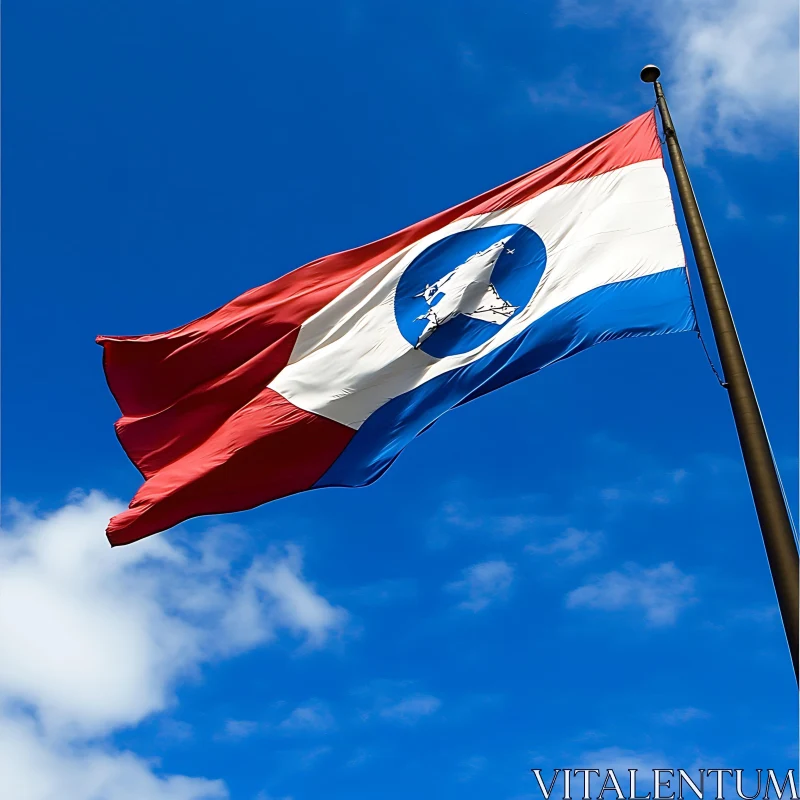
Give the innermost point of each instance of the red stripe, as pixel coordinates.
(155, 440)
(633, 142)
(266, 450)
(179, 391)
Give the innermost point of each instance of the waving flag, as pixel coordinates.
(323, 376)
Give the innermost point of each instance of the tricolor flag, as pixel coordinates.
(323, 376)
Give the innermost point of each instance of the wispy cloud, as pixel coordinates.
(297, 605)
(396, 701)
(568, 93)
(573, 546)
(174, 730)
(653, 487)
(471, 767)
(482, 584)
(632, 477)
(761, 615)
(239, 728)
(412, 708)
(661, 592)
(95, 639)
(309, 757)
(496, 517)
(313, 716)
(731, 66)
(621, 760)
(464, 517)
(609, 480)
(679, 716)
(360, 756)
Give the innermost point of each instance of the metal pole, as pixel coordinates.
(773, 515)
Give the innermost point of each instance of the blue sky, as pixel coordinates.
(599, 596)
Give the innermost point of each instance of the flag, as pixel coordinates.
(322, 377)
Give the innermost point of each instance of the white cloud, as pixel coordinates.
(661, 592)
(412, 708)
(35, 767)
(483, 583)
(314, 716)
(395, 701)
(95, 639)
(458, 515)
(572, 546)
(735, 66)
(239, 728)
(652, 486)
(297, 606)
(730, 66)
(621, 760)
(498, 518)
(311, 717)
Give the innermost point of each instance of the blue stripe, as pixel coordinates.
(647, 306)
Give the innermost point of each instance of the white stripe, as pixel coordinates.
(350, 358)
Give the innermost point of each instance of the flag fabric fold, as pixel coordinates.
(321, 377)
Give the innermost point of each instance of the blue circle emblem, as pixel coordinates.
(459, 292)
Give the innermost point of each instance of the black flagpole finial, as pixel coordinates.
(650, 73)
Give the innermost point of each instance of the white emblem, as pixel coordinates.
(467, 290)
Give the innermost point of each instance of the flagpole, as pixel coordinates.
(773, 515)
